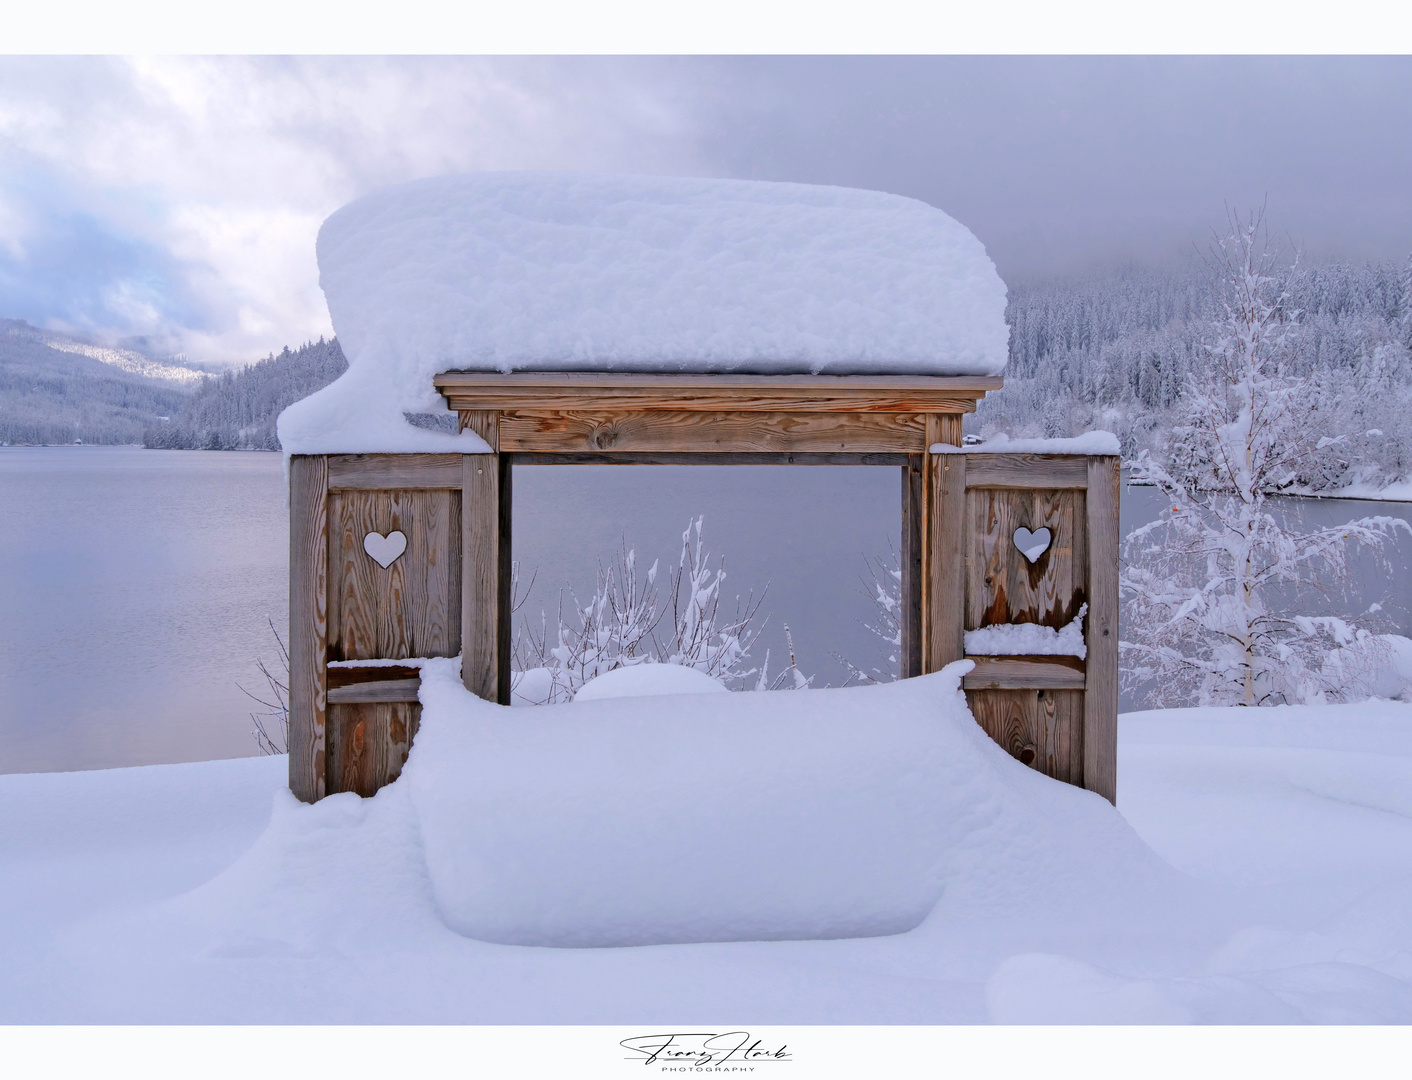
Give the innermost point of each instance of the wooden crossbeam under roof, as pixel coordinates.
(582, 412)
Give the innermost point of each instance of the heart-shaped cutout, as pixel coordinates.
(385, 550)
(1032, 544)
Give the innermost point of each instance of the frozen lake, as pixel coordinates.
(136, 583)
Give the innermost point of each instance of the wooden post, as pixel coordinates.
(480, 574)
(1100, 728)
(909, 617)
(502, 592)
(943, 594)
(308, 624)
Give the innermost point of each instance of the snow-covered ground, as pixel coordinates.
(1259, 870)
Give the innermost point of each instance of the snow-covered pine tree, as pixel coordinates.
(1202, 618)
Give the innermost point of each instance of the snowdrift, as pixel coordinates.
(692, 818)
(576, 272)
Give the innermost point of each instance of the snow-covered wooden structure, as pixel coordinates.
(606, 320)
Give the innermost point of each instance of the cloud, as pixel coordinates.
(179, 197)
(183, 196)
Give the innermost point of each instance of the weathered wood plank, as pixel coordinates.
(411, 608)
(944, 428)
(360, 693)
(1041, 728)
(712, 432)
(363, 472)
(484, 422)
(1002, 586)
(308, 624)
(946, 556)
(480, 575)
(341, 675)
(502, 592)
(1025, 673)
(372, 742)
(577, 391)
(601, 458)
(1101, 630)
(1026, 471)
(910, 559)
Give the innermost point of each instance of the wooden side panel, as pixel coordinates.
(407, 471)
(1002, 586)
(910, 559)
(1101, 630)
(308, 624)
(1042, 728)
(711, 432)
(411, 607)
(946, 567)
(480, 575)
(370, 744)
(1026, 471)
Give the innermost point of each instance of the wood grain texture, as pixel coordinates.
(502, 591)
(1101, 630)
(371, 744)
(712, 432)
(364, 472)
(599, 458)
(1002, 586)
(1041, 728)
(1025, 673)
(372, 691)
(946, 560)
(910, 561)
(308, 625)
(411, 608)
(484, 422)
(579, 391)
(1026, 471)
(338, 675)
(480, 575)
(944, 428)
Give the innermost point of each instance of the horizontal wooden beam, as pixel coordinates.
(365, 693)
(366, 472)
(1025, 673)
(598, 458)
(702, 432)
(1026, 471)
(715, 393)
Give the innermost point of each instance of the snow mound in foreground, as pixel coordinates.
(721, 817)
(649, 680)
(577, 272)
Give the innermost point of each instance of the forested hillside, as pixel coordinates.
(1113, 351)
(237, 410)
(54, 389)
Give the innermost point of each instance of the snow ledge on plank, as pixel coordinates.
(1091, 443)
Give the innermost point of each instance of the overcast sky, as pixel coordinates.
(180, 198)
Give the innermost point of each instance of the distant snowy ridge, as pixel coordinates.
(577, 272)
(126, 360)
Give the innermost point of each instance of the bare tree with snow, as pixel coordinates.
(1202, 584)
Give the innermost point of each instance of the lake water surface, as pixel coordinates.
(135, 584)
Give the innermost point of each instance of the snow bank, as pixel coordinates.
(1090, 442)
(732, 817)
(562, 271)
(1029, 639)
(649, 680)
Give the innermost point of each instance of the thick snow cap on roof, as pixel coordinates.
(574, 272)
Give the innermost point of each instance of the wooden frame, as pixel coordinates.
(1057, 714)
